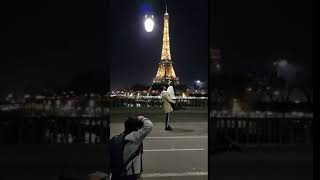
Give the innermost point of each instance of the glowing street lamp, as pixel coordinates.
(198, 84)
(148, 23)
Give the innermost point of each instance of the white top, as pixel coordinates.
(170, 90)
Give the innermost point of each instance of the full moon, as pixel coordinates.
(148, 24)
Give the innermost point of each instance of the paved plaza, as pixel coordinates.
(172, 155)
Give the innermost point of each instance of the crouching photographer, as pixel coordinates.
(127, 149)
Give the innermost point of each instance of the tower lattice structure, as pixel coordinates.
(165, 71)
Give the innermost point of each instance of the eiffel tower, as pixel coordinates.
(165, 71)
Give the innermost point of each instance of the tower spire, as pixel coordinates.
(165, 55)
(166, 13)
(166, 8)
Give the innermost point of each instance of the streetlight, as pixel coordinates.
(148, 23)
(198, 83)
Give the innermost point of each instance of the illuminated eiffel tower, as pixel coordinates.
(165, 71)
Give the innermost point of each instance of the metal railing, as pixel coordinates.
(262, 130)
(54, 130)
(157, 102)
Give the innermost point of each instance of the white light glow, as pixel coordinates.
(148, 24)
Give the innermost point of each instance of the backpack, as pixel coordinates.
(118, 164)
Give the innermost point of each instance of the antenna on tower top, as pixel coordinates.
(166, 7)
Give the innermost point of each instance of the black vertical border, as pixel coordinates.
(108, 51)
(209, 87)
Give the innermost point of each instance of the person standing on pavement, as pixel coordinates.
(167, 101)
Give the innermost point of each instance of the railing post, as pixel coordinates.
(291, 129)
(21, 127)
(269, 130)
(307, 131)
(258, 131)
(236, 128)
(246, 131)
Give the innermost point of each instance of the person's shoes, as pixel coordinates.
(168, 128)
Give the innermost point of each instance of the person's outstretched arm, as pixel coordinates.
(141, 134)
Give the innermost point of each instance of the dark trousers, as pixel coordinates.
(167, 119)
(176, 106)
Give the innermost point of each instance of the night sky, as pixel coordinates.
(252, 34)
(136, 53)
(48, 43)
